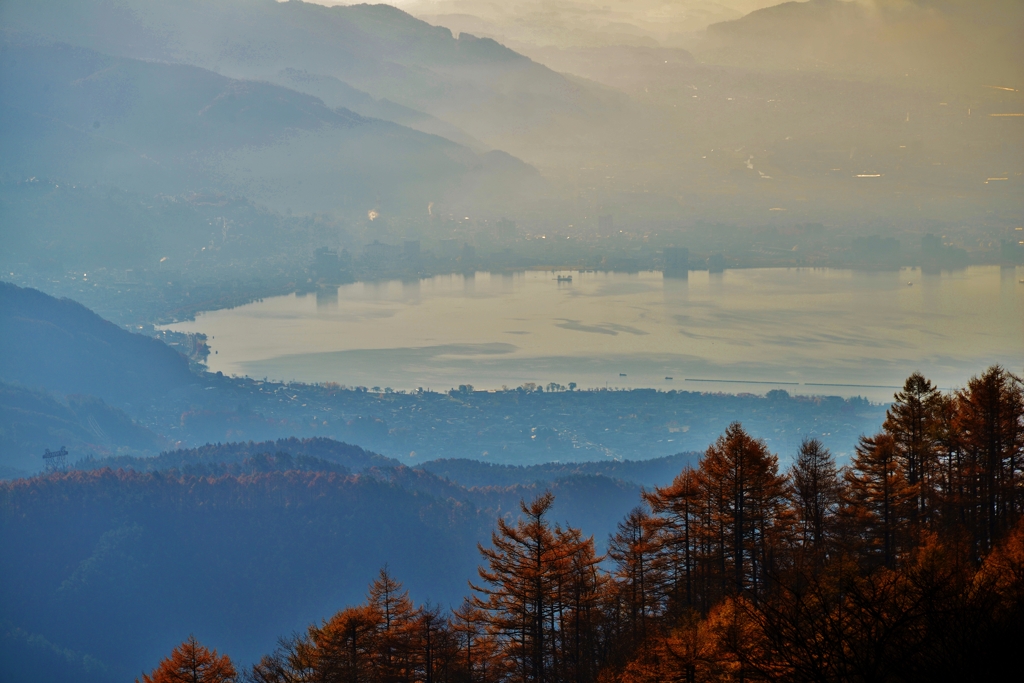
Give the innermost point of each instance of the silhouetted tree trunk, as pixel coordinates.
(912, 421)
(990, 420)
(878, 501)
(815, 490)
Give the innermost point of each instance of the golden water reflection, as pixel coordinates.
(805, 330)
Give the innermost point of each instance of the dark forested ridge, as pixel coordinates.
(903, 565)
(198, 460)
(108, 565)
(240, 542)
(471, 473)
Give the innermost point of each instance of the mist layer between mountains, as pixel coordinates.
(486, 90)
(662, 133)
(166, 129)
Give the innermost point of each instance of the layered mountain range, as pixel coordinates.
(89, 118)
(860, 116)
(484, 89)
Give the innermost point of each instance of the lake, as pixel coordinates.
(808, 331)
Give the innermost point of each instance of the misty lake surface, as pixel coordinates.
(808, 331)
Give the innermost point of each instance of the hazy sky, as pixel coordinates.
(562, 22)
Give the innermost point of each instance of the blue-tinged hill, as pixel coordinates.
(477, 85)
(33, 421)
(78, 115)
(62, 346)
(104, 569)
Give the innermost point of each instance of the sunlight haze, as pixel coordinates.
(511, 341)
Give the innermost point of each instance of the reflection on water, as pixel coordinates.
(804, 330)
(326, 298)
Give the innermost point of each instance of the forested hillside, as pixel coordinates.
(906, 565)
(238, 541)
(653, 472)
(101, 569)
(732, 571)
(236, 455)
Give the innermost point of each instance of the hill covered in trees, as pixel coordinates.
(907, 565)
(477, 473)
(241, 541)
(904, 563)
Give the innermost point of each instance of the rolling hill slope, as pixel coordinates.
(63, 346)
(237, 543)
(947, 44)
(492, 93)
(84, 117)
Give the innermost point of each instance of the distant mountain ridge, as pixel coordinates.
(951, 43)
(337, 93)
(352, 458)
(491, 92)
(82, 116)
(476, 473)
(495, 488)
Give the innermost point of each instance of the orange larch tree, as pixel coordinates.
(397, 638)
(815, 494)
(679, 539)
(191, 662)
(990, 423)
(639, 574)
(749, 514)
(878, 502)
(912, 421)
